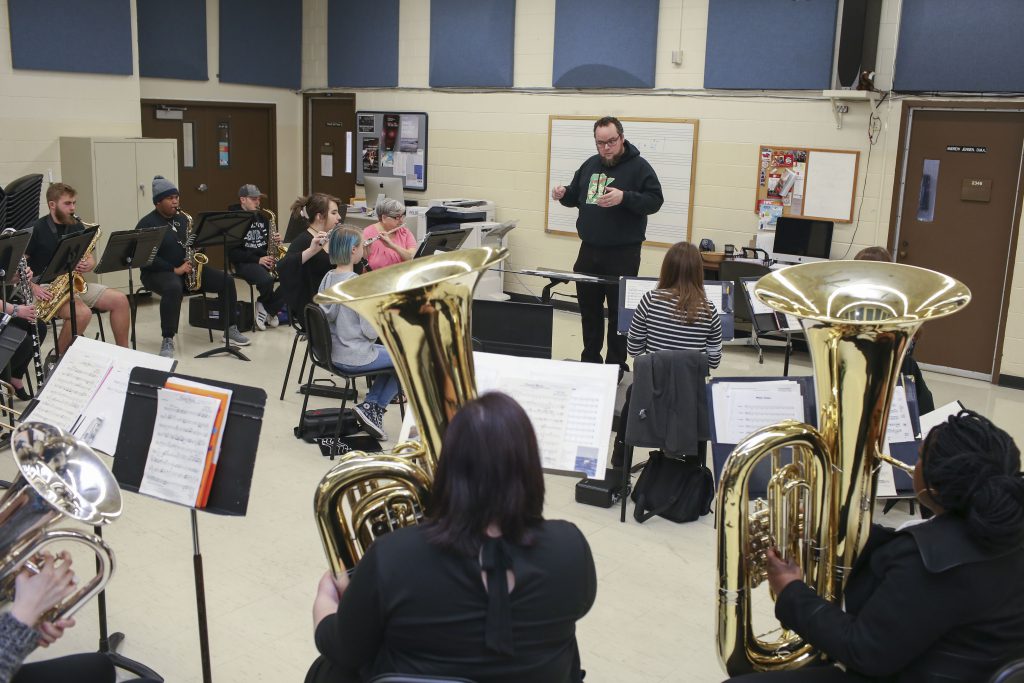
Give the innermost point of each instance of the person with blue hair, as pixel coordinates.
(354, 346)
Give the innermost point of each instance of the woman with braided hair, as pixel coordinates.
(939, 600)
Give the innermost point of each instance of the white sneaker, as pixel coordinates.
(261, 316)
(273, 320)
(167, 347)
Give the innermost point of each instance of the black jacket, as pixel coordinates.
(302, 280)
(255, 245)
(926, 604)
(171, 253)
(622, 225)
(43, 243)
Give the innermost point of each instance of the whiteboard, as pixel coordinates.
(668, 145)
(830, 186)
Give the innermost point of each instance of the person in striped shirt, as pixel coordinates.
(675, 315)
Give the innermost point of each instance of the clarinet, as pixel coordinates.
(29, 299)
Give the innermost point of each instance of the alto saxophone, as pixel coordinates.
(274, 250)
(60, 288)
(194, 278)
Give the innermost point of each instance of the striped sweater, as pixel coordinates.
(657, 326)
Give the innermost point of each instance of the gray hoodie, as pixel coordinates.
(352, 336)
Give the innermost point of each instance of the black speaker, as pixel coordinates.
(858, 40)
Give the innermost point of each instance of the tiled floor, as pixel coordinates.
(654, 616)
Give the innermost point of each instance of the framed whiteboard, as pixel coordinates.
(668, 145)
(804, 182)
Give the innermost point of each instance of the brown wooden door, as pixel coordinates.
(329, 138)
(232, 145)
(959, 216)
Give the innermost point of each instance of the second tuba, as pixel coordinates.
(421, 310)
(858, 317)
(59, 477)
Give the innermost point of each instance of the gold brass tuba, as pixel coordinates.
(421, 309)
(60, 289)
(859, 317)
(60, 476)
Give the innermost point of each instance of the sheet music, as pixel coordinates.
(885, 482)
(570, 405)
(742, 408)
(101, 418)
(788, 323)
(938, 416)
(900, 429)
(714, 295)
(635, 290)
(177, 453)
(756, 305)
(71, 387)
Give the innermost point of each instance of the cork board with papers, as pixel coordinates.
(803, 182)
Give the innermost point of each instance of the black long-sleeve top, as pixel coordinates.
(170, 254)
(43, 243)
(302, 280)
(413, 607)
(613, 226)
(923, 604)
(254, 245)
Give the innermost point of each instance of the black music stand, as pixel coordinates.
(229, 493)
(129, 249)
(70, 250)
(12, 248)
(442, 240)
(226, 228)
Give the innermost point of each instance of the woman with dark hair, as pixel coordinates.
(675, 315)
(353, 339)
(484, 589)
(306, 262)
(938, 600)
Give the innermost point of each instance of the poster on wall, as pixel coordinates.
(389, 132)
(364, 123)
(371, 155)
(409, 139)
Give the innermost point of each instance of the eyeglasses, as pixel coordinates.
(607, 143)
(398, 217)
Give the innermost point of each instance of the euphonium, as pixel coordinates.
(421, 309)
(60, 289)
(60, 476)
(194, 278)
(859, 317)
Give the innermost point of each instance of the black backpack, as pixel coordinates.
(678, 489)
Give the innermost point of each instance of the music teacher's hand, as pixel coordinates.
(612, 197)
(557, 192)
(781, 572)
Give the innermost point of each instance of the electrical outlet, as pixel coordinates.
(677, 57)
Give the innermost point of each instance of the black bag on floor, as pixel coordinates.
(323, 422)
(678, 489)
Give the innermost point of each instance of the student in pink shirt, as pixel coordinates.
(396, 242)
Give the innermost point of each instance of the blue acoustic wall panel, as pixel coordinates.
(472, 43)
(71, 35)
(261, 42)
(605, 43)
(770, 44)
(951, 45)
(184, 56)
(362, 43)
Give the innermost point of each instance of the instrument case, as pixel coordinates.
(602, 493)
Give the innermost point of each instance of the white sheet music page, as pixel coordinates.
(885, 482)
(101, 419)
(938, 416)
(714, 295)
(757, 306)
(570, 405)
(900, 429)
(635, 290)
(177, 453)
(71, 387)
(742, 408)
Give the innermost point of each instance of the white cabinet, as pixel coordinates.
(114, 180)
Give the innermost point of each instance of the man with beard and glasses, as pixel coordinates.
(615, 190)
(47, 232)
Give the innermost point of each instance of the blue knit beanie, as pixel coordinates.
(162, 189)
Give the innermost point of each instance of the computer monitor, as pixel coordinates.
(442, 240)
(375, 185)
(800, 240)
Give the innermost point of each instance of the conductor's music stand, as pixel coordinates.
(128, 249)
(229, 492)
(70, 250)
(226, 228)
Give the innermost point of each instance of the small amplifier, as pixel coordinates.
(602, 493)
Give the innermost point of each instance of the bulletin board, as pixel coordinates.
(668, 145)
(806, 183)
(392, 144)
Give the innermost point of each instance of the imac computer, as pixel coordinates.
(392, 188)
(800, 240)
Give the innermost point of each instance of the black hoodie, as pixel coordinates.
(622, 225)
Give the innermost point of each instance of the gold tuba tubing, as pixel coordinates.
(421, 310)
(858, 317)
(60, 477)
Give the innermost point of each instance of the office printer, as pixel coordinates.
(446, 214)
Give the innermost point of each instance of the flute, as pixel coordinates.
(379, 235)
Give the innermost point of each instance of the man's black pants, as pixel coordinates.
(615, 261)
(260, 278)
(171, 289)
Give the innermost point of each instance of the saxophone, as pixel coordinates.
(194, 279)
(274, 250)
(60, 288)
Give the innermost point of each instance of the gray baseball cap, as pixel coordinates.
(250, 190)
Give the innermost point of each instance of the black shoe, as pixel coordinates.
(22, 394)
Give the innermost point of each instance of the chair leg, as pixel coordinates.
(302, 370)
(305, 402)
(99, 317)
(341, 412)
(206, 316)
(288, 370)
(627, 459)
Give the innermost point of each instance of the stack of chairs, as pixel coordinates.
(3, 208)
(22, 201)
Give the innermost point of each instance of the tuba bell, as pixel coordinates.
(859, 317)
(59, 477)
(421, 309)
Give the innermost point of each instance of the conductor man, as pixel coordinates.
(615, 190)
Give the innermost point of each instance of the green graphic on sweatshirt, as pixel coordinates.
(598, 182)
